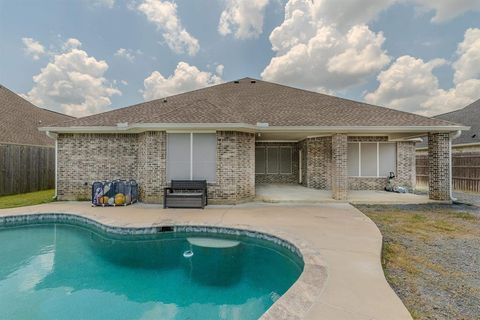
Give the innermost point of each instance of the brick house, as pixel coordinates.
(245, 132)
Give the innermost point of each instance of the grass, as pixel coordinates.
(26, 199)
(417, 258)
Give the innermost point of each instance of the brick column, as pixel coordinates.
(152, 172)
(438, 166)
(339, 167)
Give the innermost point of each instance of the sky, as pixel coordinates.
(83, 57)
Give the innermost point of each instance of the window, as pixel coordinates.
(387, 158)
(285, 160)
(273, 160)
(191, 156)
(260, 164)
(368, 159)
(371, 159)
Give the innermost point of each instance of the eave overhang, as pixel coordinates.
(413, 131)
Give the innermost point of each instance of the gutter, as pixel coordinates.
(55, 136)
(260, 127)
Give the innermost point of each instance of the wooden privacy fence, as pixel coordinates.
(465, 168)
(26, 168)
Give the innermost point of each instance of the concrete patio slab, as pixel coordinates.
(348, 241)
(299, 194)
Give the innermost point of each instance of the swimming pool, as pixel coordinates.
(60, 270)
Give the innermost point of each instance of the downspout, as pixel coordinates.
(54, 136)
(453, 136)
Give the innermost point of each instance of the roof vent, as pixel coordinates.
(236, 81)
(164, 100)
(253, 81)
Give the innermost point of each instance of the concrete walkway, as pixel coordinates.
(349, 242)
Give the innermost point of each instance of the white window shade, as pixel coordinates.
(191, 156)
(178, 156)
(368, 159)
(204, 148)
(387, 158)
(353, 159)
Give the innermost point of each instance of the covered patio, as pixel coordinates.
(295, 193)
(349, 167)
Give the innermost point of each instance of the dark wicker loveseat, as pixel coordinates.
(185, 194)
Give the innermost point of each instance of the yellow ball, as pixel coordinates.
(119, 199)
(104, 200)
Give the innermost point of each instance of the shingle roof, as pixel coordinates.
(19, 120)
(469, 116)
(252, 101)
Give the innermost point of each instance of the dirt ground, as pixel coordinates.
(431, 257)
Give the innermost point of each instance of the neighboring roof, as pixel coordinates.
(250, 101)
(20, 120)
(469, 116)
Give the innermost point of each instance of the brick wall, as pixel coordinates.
(406, 168)
(302, 146)
(339, 167)
(317, 162)
(235, 180)
(280, 178)
(439, 166)
(152, 165)
(85, 158)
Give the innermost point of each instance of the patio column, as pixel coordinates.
(439, 166)
(339, 167)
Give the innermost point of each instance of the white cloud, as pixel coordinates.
(327, 44)
(320, 56)
(70, 44)
(243, 17)
(363, 53)
(126, 54)
(468, 64)
(164, 15)
(410, 85)
(219, 69)
(185, 78)
(448, 9)
(33, 48)
(346, 13)
(72, 82)
(103, 3)
(406, 84)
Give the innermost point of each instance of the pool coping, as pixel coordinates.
(293, 304)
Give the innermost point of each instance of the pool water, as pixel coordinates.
(61, 271)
